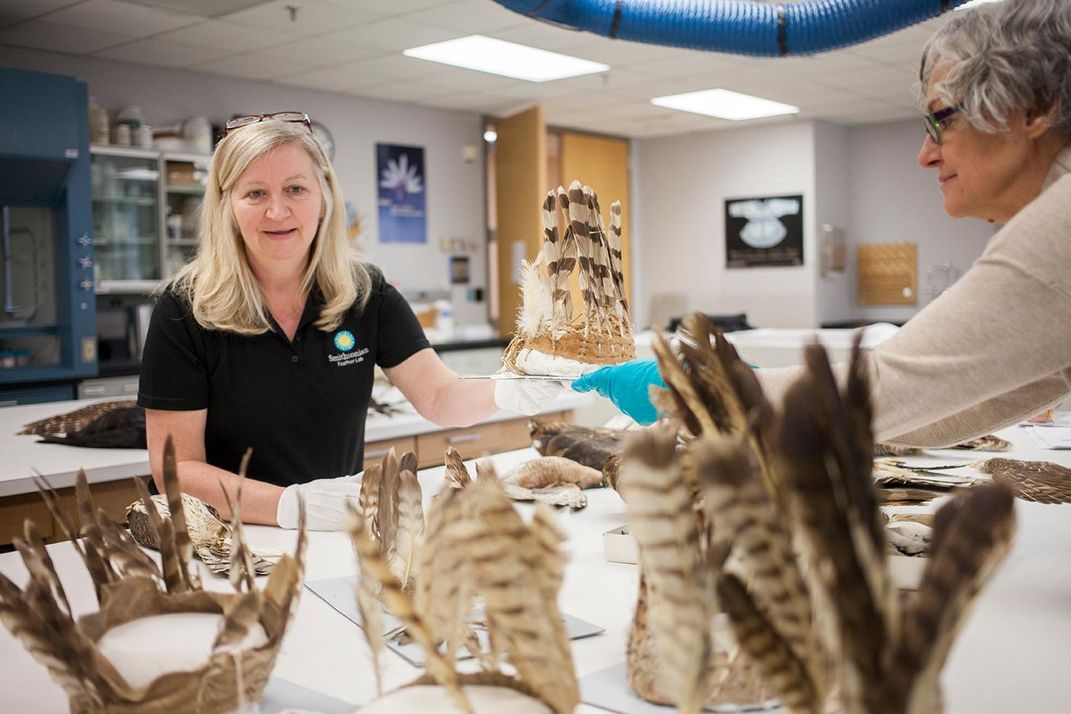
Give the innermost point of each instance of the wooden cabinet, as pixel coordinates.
(112, 496)
(470, 442)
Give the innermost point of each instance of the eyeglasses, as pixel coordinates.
(935, 122)
(296, 117)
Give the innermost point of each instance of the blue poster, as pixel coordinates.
(402, 198)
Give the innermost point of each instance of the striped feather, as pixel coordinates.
(374, 570)
(743, 514)
(444, 593)
(664, 525)
(972, 534)
(577, 216)
(457, 474)
(847, 568)
(757, 637)
(173, 490)
(240, 616)
(410, 532)
(560, 263)
(523, 623)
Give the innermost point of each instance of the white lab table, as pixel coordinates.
(1013, 655)
(25, 455)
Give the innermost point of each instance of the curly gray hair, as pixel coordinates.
(1003, 59)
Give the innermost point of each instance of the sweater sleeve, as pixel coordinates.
(993, 349)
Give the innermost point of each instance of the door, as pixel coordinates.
(520, 186)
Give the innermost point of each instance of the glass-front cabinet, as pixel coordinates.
(146, 212)
(125, 187)
(184, 187)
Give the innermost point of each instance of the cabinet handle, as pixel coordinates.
(463, 438)
(93, 391)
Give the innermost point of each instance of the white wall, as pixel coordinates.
(681, 185)
(455, 195)
(834, 292)
(863, 179)
(893, 200)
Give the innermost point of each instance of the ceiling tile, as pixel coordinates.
(51, 37)
(125, 18)
(395, 92)
(318, 51)
(262, 66)
(392, 34)
(540, 35)
(617, 52)
(224, 35)
(470, 17)
(401, 67)
(472, 102)
(341, 78)
(25, 9)
(311, 18)
(394, 7)
(162, 53)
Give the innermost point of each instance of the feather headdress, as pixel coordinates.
(477, 545)
(600, 332)
(791, 501)
(130, 587)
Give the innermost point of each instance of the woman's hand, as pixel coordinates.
(626, 385)
(326, 503)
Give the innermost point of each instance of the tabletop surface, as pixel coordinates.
(23, 455)
(1012, 656)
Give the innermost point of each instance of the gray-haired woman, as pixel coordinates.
(996, 347)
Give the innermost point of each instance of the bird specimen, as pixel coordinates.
(118, 424)
(139, 652)
(772, 519)
(476, 544)
(553, 337)
(210, 535)
(597, 447)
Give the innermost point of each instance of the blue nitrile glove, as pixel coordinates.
(626, 386)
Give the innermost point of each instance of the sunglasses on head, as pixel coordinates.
(935, 122)
(247, 119)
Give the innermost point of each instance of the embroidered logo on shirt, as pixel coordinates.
(344, 341)
(347, 354)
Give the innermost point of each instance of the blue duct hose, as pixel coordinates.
(734, 26)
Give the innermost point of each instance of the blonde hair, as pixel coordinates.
(219, 284)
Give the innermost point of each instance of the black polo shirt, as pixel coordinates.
(301, 405)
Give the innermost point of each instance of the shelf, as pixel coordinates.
(28, 331)
(124, 152)
(129, 200)
(187, 190)
(124, 242)
(114, 287)
(180, 242)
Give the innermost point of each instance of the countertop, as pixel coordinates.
(25, 455)
(1011, 656)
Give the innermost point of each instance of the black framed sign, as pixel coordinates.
(765, 231)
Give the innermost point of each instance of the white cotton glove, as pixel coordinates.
(527, 396)
(326, 503)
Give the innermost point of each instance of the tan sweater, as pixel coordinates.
(992, 350)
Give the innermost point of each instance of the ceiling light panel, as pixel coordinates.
(486, 54)
(724, 104)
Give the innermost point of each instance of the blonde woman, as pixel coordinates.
(269, 337)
